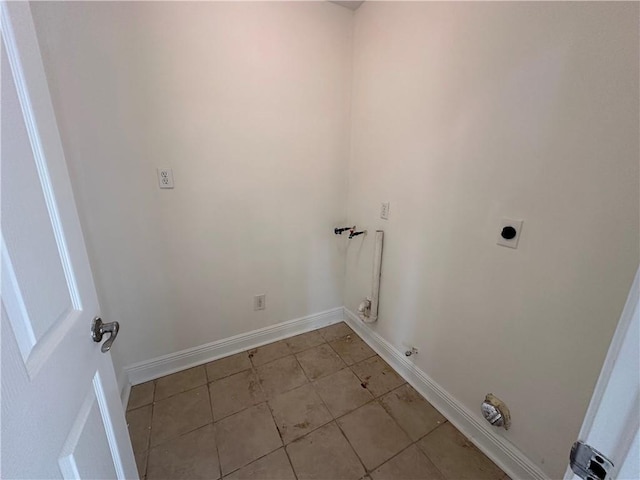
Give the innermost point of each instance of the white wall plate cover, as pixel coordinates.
(513, 242)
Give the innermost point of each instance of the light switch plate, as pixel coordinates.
(508, 222)
(260, 302)
(165, 178)
(384, 210)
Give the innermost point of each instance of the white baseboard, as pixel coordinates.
(506, 455)
(175, 362)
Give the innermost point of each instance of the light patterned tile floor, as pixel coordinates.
(321, 405)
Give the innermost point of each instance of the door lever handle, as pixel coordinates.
(98, 329)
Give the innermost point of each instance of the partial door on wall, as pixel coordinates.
(612, 423)
(61, 410)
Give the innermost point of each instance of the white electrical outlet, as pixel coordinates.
(165, 178)
(384, 210)
(260, 302)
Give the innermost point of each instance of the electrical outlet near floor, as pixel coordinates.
(260, 302)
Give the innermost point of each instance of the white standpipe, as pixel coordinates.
(368, 310)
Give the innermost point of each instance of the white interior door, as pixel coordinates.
(61, 410)
(612, 423)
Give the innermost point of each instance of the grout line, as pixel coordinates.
(138, 408)
(213, 425)
(266, 401)
(315, 389)
(284, 445)
(398, 423)
(321, 378)
(146, 463)
(167, 440)
(206, 372)
(253, 351)
(366, 471)
(284, 340)
(377, 399)
(310, 382)
(306, 348)
(231, 375)
(190, 389)
(335, 419)
(358, 407)
(295, 474)
(335, 351)
(153, 407)
(153, 393)
(148, 449)
(253, 461)
(253, 372)
(182, 391)
(275, 422)
(276, 394)
(250, 367)
(426, 454)
(404, 449)
(303, 370)
(349, 411)
(431, 431)
(310, 432)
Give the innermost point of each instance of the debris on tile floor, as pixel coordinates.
(317, 405)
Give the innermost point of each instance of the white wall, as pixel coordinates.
(465, 113)
(249, 104)
(461, 114)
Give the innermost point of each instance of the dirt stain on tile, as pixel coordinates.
(405, 397)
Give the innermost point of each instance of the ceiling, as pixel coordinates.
(350, 4)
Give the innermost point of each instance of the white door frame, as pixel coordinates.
(612, 421)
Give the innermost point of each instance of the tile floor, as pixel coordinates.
(321, 405)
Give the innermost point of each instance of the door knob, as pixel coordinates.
(98, 329)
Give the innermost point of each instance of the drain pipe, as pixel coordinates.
(368, 310)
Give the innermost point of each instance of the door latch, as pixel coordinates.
(588, 463)
(98, 329)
